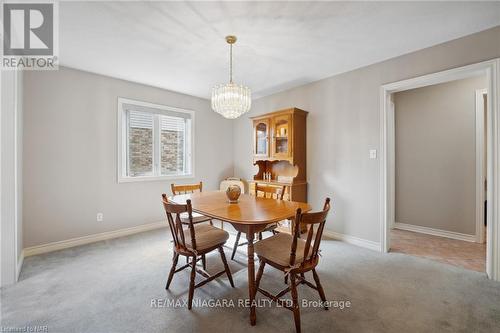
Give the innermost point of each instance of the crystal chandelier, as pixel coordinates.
(231, 100)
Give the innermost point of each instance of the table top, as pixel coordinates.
(248, 210)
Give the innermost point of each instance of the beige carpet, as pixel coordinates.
(110, 286)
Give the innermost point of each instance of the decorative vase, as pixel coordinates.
(233, 193)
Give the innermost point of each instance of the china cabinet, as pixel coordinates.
(279, 148)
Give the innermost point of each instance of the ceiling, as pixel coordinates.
(180, 46)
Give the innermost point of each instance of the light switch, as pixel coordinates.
(373, 154)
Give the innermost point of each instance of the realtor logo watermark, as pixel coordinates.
(158, 303)
(30, 35)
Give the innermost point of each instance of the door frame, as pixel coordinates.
(480, 175)
(491, 69)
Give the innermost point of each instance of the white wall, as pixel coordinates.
(11, 225)
(344, 124)
(436, 155)
(70, 155)
(19, 169)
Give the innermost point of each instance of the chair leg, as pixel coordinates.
(226, 267)
(172, 270)
(259, 275)
(236, 245)
(296, 310)
(211, 223)
(286, 279)
(320, 288)
(204, 262)
(191, 283)
(260, 236)
(274, 232)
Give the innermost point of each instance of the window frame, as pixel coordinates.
(122, 142)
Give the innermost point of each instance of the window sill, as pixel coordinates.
(122, 179)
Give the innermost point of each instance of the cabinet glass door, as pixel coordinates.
(281, 136)
(261, 138)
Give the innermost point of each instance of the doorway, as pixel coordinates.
(439, 183)
(387, 176)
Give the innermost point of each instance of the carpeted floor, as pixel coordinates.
(110, 286)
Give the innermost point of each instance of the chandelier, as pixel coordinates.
(231, 100)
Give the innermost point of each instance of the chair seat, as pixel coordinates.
(207, 236)
(277, 249)
(197, 218)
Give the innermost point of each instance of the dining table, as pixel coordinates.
(250, 215)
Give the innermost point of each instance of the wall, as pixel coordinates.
(436, 155)
(19, 170)
(344, 123)
(70, 155)
(11, 226)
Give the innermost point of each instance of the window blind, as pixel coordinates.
(146, 109)
(140, 119)
(176, 124)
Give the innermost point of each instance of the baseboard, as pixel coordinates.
(435, 232)
(19, 266)
(55, 246)
(367, 244)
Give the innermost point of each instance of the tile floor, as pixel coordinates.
(454, 252)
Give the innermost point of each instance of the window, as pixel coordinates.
(155, 141)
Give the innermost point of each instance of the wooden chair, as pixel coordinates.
(194, 242)
(186, 188)
(268, 191)
(294, 257)
(190, 188)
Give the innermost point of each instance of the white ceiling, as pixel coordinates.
(180, 46)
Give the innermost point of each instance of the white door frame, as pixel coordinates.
(491, 69)
(480, 174)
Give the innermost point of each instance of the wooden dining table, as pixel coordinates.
(249, 215)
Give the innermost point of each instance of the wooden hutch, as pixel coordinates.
(279, 140)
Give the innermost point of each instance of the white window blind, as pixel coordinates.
(156, 141)
(172, 124)
(140, 119)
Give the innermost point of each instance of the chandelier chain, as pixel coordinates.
(230, 63)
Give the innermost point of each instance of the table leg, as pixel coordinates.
(251, 275)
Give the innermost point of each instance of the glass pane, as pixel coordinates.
(173, 145)
(281, 136)
(140, 144)
(261, 147)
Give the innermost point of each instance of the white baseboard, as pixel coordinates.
(19, 266)
(55, 246)
(435, 232)
(367, 244)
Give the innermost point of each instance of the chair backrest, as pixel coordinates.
(270, 191)
(315, 223)
(173, 212)
(186, 188)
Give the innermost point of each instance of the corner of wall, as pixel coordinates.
(10, 176)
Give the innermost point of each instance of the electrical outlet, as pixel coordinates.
(100, 217)
(373, 154)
